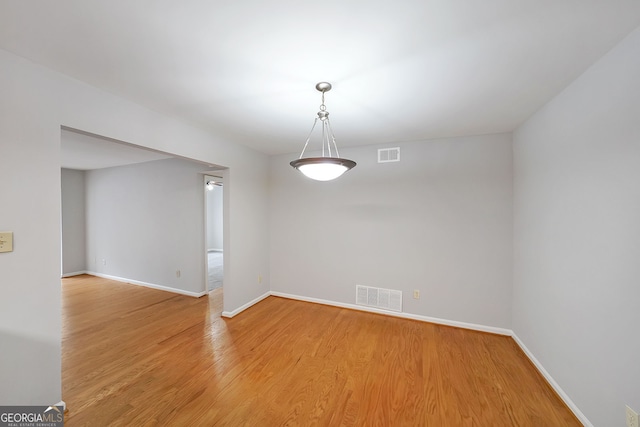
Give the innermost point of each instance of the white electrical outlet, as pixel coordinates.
(416, 294)
(632, 418)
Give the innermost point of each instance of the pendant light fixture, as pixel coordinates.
(328, 166)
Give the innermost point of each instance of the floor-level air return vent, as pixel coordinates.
(387, 299)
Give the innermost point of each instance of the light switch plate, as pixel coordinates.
(6, 241)
(632, 417)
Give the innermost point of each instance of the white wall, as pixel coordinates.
(439, 221)
(74, 234)
(146, 221)
(35, 102)
(215, 216)
(30, 315)
(577, 236)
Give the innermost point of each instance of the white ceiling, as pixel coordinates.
(246, 69)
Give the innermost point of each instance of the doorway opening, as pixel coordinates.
(214, 222)
(95, 171)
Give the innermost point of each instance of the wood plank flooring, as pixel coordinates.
(134, 356)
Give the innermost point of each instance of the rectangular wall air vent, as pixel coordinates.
(386, 155)
(386, 299)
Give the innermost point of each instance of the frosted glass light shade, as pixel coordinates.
(322, 171)
(323, 168)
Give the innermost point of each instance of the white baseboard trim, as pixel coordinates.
(556, 387)
(75, 273)
(239, 310)
(464, 325)
(149, 285)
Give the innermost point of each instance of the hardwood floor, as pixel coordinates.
(136, 356)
